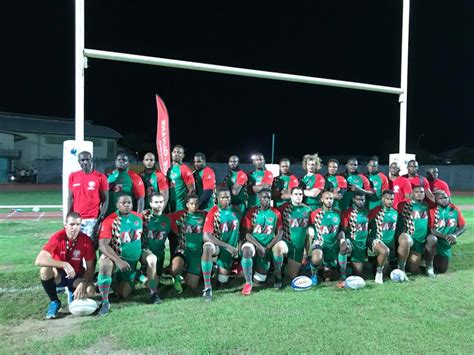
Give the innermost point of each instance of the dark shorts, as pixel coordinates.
(65, 282)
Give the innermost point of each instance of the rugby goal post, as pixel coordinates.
(82, 53)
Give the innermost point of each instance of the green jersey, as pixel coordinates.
(336, 183)
(224, 224)
(127, 182)
(179, 176)
(205, 180)
(157, 231)
(379, 183)
(356, 225)
(257, 178)
(358, 180)
(326, 227)
(240, 178)
(312, 181)
(382, 224)
(414, 220)
(447, 219)
(284, 182)
(125, 233)
(295, 223)
(189, 229)
(154, 182)
(264, 224)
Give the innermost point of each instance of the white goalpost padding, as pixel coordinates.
(82, 53)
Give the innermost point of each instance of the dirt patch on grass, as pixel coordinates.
(108, 346)
(7, 267)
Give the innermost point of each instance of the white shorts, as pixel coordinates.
(87, 226)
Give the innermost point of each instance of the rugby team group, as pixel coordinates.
(251, 223)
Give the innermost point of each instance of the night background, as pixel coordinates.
(222, 114)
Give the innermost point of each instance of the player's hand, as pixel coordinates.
(80, 293)
(123, 265)
(69, 270)
(451, 239)
(146, 215)
(261, 251)
(232, 251)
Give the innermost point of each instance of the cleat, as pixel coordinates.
(278, 283)
(314, 279)
(207, 295)
(379, 278)
(53, 309)
(247, 290)
(70, 295)
(340, 284)
(430, 272)
(104, 309)
(155, 298)
(177, 284)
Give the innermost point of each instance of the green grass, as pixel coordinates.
(31, 198)
(417, 317)
(463, 200)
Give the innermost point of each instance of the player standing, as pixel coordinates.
(258, 179)
(205, 179)
(337, 184)
(378, 181)
(313, 182)
(283, 183)
(236, 180)
(400, 186)
(355, 183)
(180, 179)
(153, 180)
(418, 180)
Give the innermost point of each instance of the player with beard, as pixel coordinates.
(153, 180)
(378, 181)
(436, 184)
(417, 180)
(355, 183)
(180, 179)
(236, 181)
(283, 183)
(258, 179)
(313, 182)
(337, 184)
(205, 180)
(400, 186)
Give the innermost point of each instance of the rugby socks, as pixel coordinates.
(247, 264)
(342, 261)
(277, 263)
(314, 268)
(104, 281)
(379, 269)
(152, 285)
(50, 288)
(206, 267)
(402, 264)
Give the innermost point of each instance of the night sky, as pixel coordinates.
(221, 114)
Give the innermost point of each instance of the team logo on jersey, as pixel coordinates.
(270, 219)
(135, 223)
(396, 189)
(91, 185)
(305, 213)
(163, 225)
(335, 219)
(76, 254)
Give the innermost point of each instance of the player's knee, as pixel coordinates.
(248, 250)
(105, 265)
(405, 241)
(223, 278)
(208, 249)
(46, 273)
(431, 240)
(280, 249)
(90, 290)
(383, 250)
(151, 260)
(259, 277)
(344, 248)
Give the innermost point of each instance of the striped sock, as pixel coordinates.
(152, 285)
(314, 268)
(206, 267)
(247, 264)
(277, 263)
(342, 261)
(104, 281)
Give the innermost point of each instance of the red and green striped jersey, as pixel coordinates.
(313, 181)
(353, 179)
(284, 182)
(414, 219)
(125, 233)
(224, 224)
(126, 181)
(156, 231)
(240, 178)
(205, 180)
(336, 183)
(264, 224)
(378, 183)
(189, 229)
(154, 182)
(295, 221)
(447, 219)
(356, 225)
(257, 178)
(179, 176)
(382, 224)
(326, 226)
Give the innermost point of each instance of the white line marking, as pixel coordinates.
(40, 216)
(9, 215)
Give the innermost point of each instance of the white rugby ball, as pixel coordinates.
(82, 307)
(301, 283)
(397, 275)
(35, 209)
(354, 282)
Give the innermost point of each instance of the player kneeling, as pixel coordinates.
(263, 231)
(381, 239)
(329, 245)
(296, 230)
(187, 225)
(221, 239)
(156, 227)
(61, 263)
(447, 224)
(121, 248)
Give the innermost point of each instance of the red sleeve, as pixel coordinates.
(400, 207)
(88, 247)
(313, 215)
(104, 184)
(279, 220)
(365, 183)
(373, 212)
(446, 188)
(247, 221)
(208, 179)
(106, 229)
(282, 208)
(341, 182)
(407, 187)
(162, 181)
(426, 184)
(385, 184)
(52, 243)
(431, 217)
(267, 178)
(186, 174)
(70, 181)
(346, 215)
(294, 182)
(461, 221)
(319, 182)
(137, 185)
(241, 178)
(173, 218)
(209, 223)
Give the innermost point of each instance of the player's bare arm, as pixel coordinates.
(106, 249)
(278, 236)
(45, 259)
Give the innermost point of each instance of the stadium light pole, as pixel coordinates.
(403, 99)
(80, 66)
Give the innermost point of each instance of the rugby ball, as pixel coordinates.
(301, 283)
(82, 307)
(354, 282)
(397, 275)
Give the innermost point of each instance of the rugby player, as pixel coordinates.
(258, 179)
(153, 180)
(181, 180)
(205, 180)
(283, 183)
(313, 182)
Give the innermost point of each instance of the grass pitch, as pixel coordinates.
(417, 317)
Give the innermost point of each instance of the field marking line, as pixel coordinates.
(8, 216)
(40, 216)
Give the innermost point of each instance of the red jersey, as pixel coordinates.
(439, 184)
(58, 246)
(400, 186)
(86, 190)
(418, 181)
